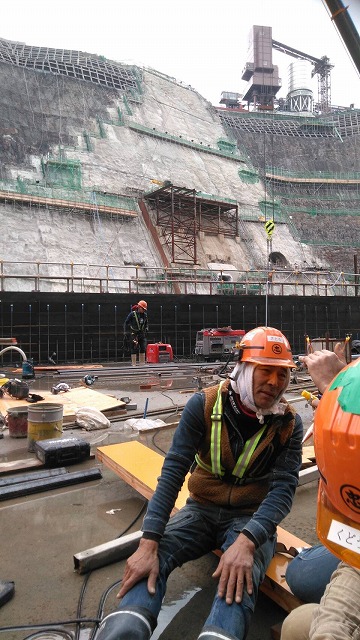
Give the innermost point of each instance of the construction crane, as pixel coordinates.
(322, 68)
(340, 16)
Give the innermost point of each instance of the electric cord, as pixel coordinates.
(48, 625)
(156, 445)
(173, 403)
(80, 602)
(222, 372)
(109, 589)
(102, 606)
(58, 632)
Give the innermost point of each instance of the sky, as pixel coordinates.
(202, 43)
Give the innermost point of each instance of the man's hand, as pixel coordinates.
(143, 563)
(235, 570)
(323, 365)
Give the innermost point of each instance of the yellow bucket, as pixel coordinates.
(45, 421)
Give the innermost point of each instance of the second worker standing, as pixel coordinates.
(137, 325)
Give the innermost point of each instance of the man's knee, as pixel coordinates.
(296, 625)
(132, 623)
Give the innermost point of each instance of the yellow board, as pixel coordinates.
(140, 467)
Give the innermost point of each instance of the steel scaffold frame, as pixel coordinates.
(181, 214)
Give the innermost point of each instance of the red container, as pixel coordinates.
(17, 422)
(159, 352)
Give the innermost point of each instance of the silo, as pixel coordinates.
(300, 95)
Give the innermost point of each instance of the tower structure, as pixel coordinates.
(300, 95)
(259, 71)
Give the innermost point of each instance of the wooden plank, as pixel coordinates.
(71, 400)
(19, 465)
(4, 342)
(280, 594)
(140, 467)
(276, 631)
(309, 452)
(308, 475)
(63, 367)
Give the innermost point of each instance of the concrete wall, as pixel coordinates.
(86, 328)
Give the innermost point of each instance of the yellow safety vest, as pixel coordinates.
(243, 460)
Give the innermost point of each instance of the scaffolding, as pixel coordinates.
(183, 213)
(66, 197)
(74, 64)
(338, 178)
(336, 125)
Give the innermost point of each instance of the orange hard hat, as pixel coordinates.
(337, 446)
(267, 346)
(142, 304)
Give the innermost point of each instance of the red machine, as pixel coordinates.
(216, 343)
(159, 352)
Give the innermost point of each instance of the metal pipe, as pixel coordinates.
(107, 553)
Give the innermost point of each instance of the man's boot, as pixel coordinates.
(133, 359)
(141, 358)
(214, 633)
(132, 623)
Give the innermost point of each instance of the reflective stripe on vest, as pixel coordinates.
(215, 448)
(137, 320)
(138, 328)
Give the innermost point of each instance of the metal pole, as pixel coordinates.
(268, 244)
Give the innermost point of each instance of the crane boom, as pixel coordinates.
(295, 53)
(340, 15)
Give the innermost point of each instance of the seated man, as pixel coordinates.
(246, 442)
(337, 444)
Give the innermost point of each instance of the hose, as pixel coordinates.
(16, 349)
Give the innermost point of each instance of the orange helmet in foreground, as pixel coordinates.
(266, 346)
(142, 304)
(337, 451)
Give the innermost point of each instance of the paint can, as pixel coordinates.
(17, 421)
(45, 421)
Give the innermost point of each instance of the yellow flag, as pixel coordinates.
(269, 228)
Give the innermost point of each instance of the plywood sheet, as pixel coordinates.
(71, 400)
(309, 452)
(139, 466)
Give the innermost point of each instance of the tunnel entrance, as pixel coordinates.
(277, 259)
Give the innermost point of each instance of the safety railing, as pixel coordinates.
(45, 277)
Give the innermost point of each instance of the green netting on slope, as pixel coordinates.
(249, 176)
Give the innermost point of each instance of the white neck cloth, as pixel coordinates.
(242, 383)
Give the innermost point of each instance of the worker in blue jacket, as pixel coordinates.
(244, 440)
